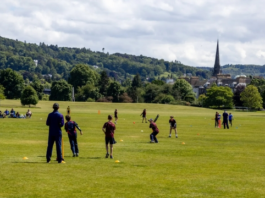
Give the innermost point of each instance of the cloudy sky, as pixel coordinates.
(184, 30)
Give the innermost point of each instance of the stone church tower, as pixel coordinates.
(217, 67)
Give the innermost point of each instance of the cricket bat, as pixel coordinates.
(156, 118)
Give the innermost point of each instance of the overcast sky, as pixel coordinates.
(184, 30)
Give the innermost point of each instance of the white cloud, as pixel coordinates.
(185, 30)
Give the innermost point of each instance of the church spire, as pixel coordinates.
(217, 67)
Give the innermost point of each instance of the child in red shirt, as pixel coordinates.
(109, 129)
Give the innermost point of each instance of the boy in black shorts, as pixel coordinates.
(109, 129)
(70, 127)
(173, 125)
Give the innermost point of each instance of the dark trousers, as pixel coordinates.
(58, 140)
(216, 123)
(225, 122)
(73, 143)
(230, 121)
(153, 137)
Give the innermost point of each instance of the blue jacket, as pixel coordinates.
(55, 121)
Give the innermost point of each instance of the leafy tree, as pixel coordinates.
(29, 96)
(168, 99)
(126, 98)
(182, 90)
(218, 97)
(38, 88)
(158, 82)
(104, 83)
(136, 83)
(202, 99)
(12, 82)
(86, 92)
(151, 91)
(81, 75)
(251, 97)
(236, 98)
(61, 91)
(114, 90)
(2, 92)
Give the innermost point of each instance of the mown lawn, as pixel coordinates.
(212, 162)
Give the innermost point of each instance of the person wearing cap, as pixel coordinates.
(173, 125)
(55, 121)
(109, 129)
(153, 135)
(225, 120)
(70, 127)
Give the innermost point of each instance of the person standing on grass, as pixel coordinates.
(116, 116)
(144, 116)
(219, 120)
(225, 120)
(173, 125)
(55, 121)
(109, 129)
(230, 118)
(216, 119)
(70, 127)
(68, 110)
(153, 135)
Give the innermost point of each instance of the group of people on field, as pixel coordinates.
(13, 114)
(226, 118)
(55, 121)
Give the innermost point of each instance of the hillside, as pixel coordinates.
(58, 62)
(238, 69)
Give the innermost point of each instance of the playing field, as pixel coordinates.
(202, 162)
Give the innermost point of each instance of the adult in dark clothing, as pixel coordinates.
(70, 127)
(144, 116)
(225, 120)
(55, 121)
(153, 135)
(109, 129)
(216, 119)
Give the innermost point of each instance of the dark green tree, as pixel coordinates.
(2, 92)
(61, 91)
(158, 82)
(29, 96)
(137, 83)
(81, 75)
(114, 90)
(219, 97)
(103, 83)
(12, 82)
(251, 97)
(86, 92)
(182, 90)
(151, 91)
(36, 84)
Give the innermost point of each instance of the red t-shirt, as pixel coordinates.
(154, 127)
(110, 128)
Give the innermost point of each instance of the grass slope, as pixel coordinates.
(212, 162)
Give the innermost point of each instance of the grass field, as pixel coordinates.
(212, 162)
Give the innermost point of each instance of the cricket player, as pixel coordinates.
(55, 121)
(116, 116)
(70, 127)
(230, 118)
(153, 135)
(173, 125)
(68, 110)
(144, 116)
(109, 129)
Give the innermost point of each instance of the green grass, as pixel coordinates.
(212, 162)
